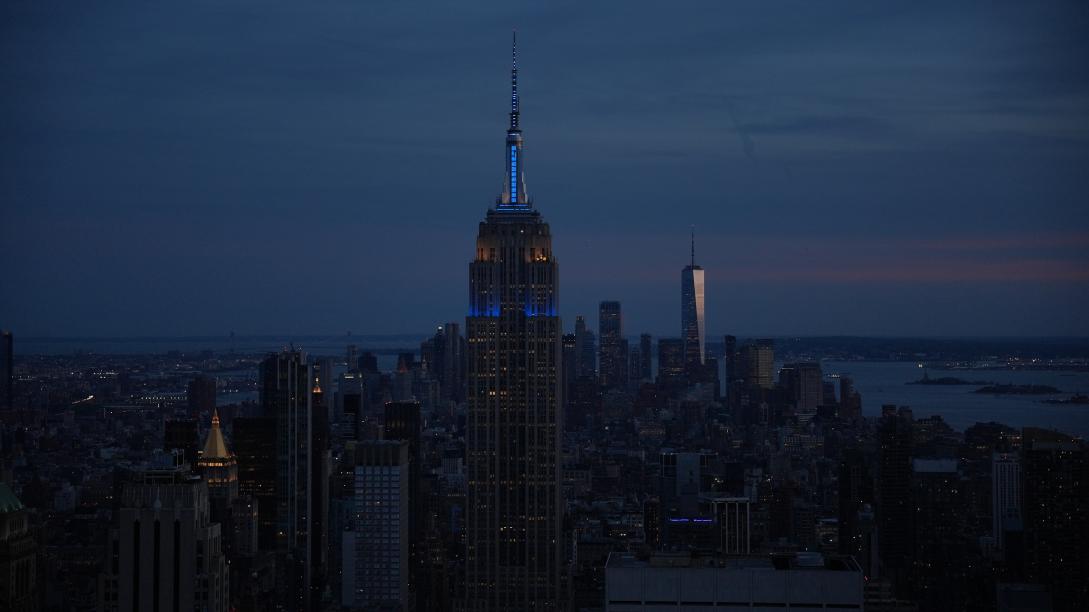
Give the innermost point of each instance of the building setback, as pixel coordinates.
(514, 428)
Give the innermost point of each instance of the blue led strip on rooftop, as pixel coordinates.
(513, 174)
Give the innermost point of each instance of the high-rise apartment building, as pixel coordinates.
(375, 554)
(612, 354)
(514, 430)
(693, 325)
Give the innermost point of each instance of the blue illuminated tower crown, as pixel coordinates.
(514, 197)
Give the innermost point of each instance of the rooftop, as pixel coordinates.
(775, 561)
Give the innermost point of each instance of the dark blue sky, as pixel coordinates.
(281, 167)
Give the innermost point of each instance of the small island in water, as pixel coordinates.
(946, 380)
(1018, 390)
(1077, 398)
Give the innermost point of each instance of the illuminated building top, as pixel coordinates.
(514, 197)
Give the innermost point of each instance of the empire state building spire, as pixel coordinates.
(514, 82)
(514, 197)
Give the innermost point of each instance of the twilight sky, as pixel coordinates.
(174, 168)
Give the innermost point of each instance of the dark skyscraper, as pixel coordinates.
(514, 432)
(585, 351)
(729, 358)
(570, 365)
(255, 446)
(200, 396)
(693, 326)
(285, 396)
(670, 358)
(1055, 489)
(756, 360)
(646, 357)
(612, 363)
(895, 512)
(181, 434)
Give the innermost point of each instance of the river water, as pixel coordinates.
(884, 382)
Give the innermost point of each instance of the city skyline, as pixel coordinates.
(271, 170)
(904, 173)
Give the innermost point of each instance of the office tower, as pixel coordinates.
(19, 569)
(376, 545)
(940, 542)
(646, 357)
(442, 356)
(1005, 494)
(200, 396)
(348, 400)
(7, 369)
(584, 405)
(255, 448)
(368, 363)
(756, 360)
(453, 364)
(568, 346)
(692, 312)
(166, 551)
(181, 434)
(850, 402)
(514, 430)
(585, 349)
(318, 482)
(670, 358)
(895, 511)
(855, 497)
(729, 358)
(611, 356)
(635, 364)
(285, 385)
(803, 382)
(403, 422)
(218, 466)
(1055, 490)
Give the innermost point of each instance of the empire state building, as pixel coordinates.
(515, 508)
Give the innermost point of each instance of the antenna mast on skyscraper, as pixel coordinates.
(514, 80)
(693, 246)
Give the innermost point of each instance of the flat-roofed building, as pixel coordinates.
(682, 581)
